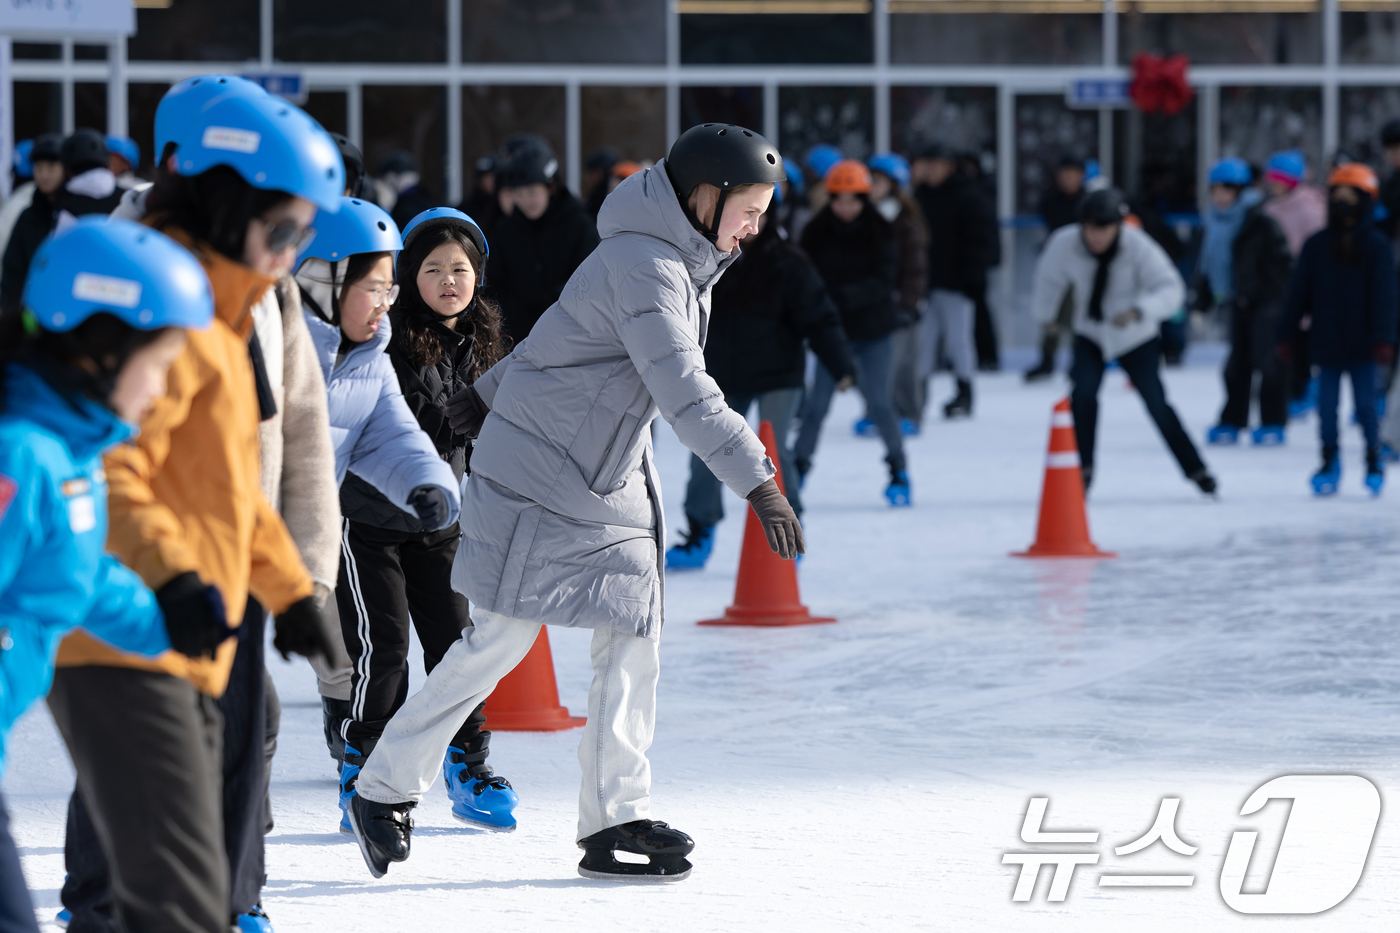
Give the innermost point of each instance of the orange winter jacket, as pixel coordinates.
(186, 494)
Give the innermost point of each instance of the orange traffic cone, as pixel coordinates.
(1064, 528)
(766, 592)
(527, 699)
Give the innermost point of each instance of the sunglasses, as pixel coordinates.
(287, 234)
(382, 295)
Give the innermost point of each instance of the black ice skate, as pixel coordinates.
(664, 847)
(960, 405)
(382, 830)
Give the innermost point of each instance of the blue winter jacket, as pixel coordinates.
(55, 573)
(374, 434)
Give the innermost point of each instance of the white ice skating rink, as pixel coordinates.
(869, 775)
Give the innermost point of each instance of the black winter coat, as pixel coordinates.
(1261, 262)
(859, 261)
(1058, 209)
(1352, 305)
(963, 237)
(762, 311)
(531, 260)
(411, 203)
(33, 224)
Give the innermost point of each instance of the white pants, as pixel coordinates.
(949, 318)
(616, 784)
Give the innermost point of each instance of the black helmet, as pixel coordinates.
(354, 163)
(1390, 134)
(521, 142)
(84, 150)
(487, 164)
(529, 166)
(602, 160)
(1103, 207)
(47, 148)
(397, 163)
(723, 155)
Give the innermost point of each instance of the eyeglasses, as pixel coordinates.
(381, 295)
(287, 234)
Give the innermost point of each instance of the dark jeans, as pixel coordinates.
(16, 909)
(1363, 391)
(985, 334)
(390, 580)
(1252, 350)
(874, 361)
(1142, 366)
(704, 495)
(147, 749)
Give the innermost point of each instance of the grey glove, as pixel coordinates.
(430, 503)
(466, 412)
(779, 521)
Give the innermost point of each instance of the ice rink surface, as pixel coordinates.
(869, 775)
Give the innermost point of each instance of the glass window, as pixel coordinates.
(1046, 131)
(1258, 121)
(1364, 111)
(491, 114)
(328, 108)
(1155, 157)
(598, 31)
(996, 39)
(632, 120)
(90, 53)
(964, 118)
(409, 118)
(1224, 38)
(141, 101)
(219, 32)
(38, 108)
(1372, 37)
(359, 31)
(90, 105)
(39, 50)
(841, 116)
(765, 39)
(740, 105)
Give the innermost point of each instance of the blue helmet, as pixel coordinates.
(1288, 165)
(184, 101)
(447, 217)
(357, 227)
(24, 168)
(821, 157)
(893, 165)
(271, 143)
(119, 267)
(1231, 171)
(795, 178)
(125, 147)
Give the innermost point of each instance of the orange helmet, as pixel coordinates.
(1355, 175)
(626, 169)
(848, 176)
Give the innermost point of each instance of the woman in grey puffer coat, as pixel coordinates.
(562, 517)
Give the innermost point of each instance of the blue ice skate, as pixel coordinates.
(1375, 471)
(65, 916)
(1223, 434)
(1300, 406)
(898, 489)
(865, 428)
(1269, 435)
(909, 427)
(692, 553)
(482, 799)
(349, 771)
(1389, 454)
(254, 921)
(1325, 480)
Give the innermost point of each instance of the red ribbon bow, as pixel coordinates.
(1159, 84)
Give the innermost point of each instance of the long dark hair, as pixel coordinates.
(214, 206)
(413, 319)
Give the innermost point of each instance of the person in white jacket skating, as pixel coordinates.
(1124, 286)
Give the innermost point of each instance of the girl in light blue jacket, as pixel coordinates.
(392, 477)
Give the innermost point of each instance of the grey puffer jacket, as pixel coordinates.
(561, 515)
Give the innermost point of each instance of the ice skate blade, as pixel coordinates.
(364, 851)
(468, 821)
(632, 878)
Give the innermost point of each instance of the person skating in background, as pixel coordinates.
(74, 382)
(540, 244)
(1243, 271)
(401, 187)
(21, 189)
(188, 512)
(123, 159)
(90, 188)
(854, 249)
(815, 164)
(793, 214)
(1342, 295)
(962, 246)
(34, 222)
(481, 204)
(564, 450)
(596, 183)
(1124, 285)
(889, 184)
(1059, 207)
(769, 307)
(984, 330)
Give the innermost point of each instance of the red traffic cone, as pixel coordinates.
(527, 699)
(1064, 527)
(766, 591)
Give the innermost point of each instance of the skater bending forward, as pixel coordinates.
(561, 515)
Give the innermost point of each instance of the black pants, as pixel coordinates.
(390, 580)
(1252, 350)
(147, 749)
(1141, 364)
(16, 909)
(984, 333)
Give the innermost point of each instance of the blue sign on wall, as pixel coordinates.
(288, 84)
(1098, 92)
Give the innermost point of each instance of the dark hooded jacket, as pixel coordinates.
(859, 262)
(1350, 305)
(531, 260)
(963, 238)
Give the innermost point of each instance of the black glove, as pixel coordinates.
(466, 412)
(194, 615)
(779, 521)
(300, 630)
(430, 502)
